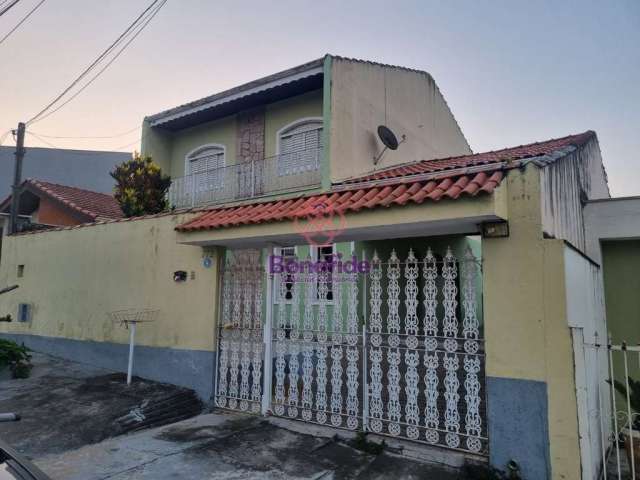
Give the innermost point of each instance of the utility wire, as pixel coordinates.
(24, 19)
(7, 8)
(4, 136)
(42, 140)
(87, 137)
(113, 59)
(100, 58)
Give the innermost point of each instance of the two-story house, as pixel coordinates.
(299, 130)
(423, 293)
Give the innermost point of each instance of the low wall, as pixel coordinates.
(74, 277)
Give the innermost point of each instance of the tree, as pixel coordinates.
(140, 186)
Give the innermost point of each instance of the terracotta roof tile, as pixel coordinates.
(507, 154)
(450, 178)
(91, 204)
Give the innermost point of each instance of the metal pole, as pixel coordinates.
(268, 325)
(132, 335)
(365, 364)
(629, 416)
(615, 413)
(603, 447)
(17, 179)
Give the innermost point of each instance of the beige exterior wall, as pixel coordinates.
(169, 149)
(156, 144)
(365, 95)
(110, 267)
(526, 327)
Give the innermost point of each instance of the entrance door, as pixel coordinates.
(240, 332)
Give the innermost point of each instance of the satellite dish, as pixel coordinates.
(387, 137)
(389, 140)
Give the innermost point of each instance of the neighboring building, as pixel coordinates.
(614, 232)
(52, 205)
(460, 330)
(77, 168)
(45, 205)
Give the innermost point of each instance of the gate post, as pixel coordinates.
(365, 383)
(267, 363)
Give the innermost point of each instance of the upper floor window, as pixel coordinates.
(206, 164)
(300, 146)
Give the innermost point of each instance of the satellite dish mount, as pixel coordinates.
(389, 140)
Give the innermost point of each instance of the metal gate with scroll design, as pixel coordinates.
(240, 332)
(396, 351)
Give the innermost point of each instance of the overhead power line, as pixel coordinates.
(8, 7)
(86, 137)
(24, 19)
(136, 27)
(42, 140)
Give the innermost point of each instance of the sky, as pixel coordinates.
(512, 72)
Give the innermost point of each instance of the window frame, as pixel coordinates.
(314, 251)
(197, 152)
(276, 291)
(284, 132)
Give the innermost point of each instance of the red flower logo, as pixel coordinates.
(320, 222)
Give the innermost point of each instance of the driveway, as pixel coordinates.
(85, 423)
(65, 405)
(232, 446)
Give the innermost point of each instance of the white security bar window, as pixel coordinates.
(287, 253)
(300, 146)
(324, 253)
(205, 165)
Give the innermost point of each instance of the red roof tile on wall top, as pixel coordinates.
(514, 153)
(351, 200)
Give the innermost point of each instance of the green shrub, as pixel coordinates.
(16, 357)
(141, 186)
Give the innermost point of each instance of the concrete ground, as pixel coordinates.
(232, 446)
(65, 405)
(71, 428)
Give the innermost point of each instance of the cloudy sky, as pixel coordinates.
(513, 72)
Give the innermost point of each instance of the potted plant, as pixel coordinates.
(16, 358)
(632, 431)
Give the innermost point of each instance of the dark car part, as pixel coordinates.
(14, 466)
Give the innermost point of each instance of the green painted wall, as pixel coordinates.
(621, 267)
(221, 131)
(284, 112)
(170, 149)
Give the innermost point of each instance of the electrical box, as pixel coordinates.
(24, 312)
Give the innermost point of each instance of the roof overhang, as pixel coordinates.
(446, 217)
(295, 81)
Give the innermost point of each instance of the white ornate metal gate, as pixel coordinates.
(426, 370)
(414, 369)
(240, 332)
(318, 369)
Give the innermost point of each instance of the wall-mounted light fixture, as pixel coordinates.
(495, 229)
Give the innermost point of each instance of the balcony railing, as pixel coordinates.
(244, 180)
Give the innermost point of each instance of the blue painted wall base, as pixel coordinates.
(517, 417)
(187, 368)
